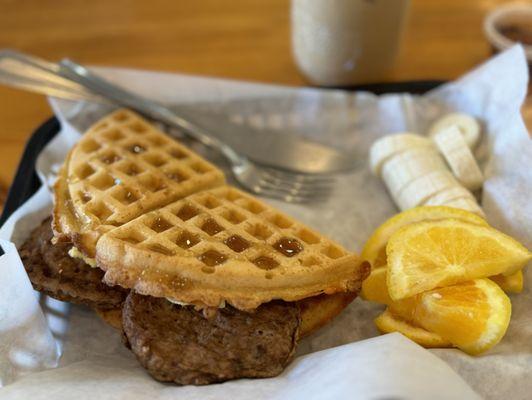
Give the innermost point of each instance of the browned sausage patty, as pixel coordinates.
(53, 272)
(179, 344)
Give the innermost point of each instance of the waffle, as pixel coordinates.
(222, 245)
(318, 311)
(122, 168)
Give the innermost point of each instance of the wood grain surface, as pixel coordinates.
(240, 39)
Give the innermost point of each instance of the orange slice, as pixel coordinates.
(374, 287)
(426, 255)
(473, 316)
(387, 322)
(375, 248)
(511, 283)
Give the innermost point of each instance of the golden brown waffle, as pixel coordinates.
(120, 169)
(222, 245)
(318, 311)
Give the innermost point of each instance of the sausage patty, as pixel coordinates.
(53, 272)
(182, 345)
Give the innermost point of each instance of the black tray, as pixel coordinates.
(26, 181)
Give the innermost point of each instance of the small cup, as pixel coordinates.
(345, 42)
(510, 24)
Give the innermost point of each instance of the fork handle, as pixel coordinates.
(81, 75)
(22, 71)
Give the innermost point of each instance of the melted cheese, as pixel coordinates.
(75, 253)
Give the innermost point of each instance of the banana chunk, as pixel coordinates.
(447, 195)
(466, 124)
(466, 203)
(389, 146)
(452, 145)
(405, 167)
(421, 189)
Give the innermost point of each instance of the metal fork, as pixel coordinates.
(71, 77)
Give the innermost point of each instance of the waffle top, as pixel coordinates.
(123, 167)
(222, 245)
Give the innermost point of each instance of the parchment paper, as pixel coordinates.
(93, 361)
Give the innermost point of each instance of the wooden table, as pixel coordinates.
(241, 39)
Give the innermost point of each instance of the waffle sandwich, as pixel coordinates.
(219, 284)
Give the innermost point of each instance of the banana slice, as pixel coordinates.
(466, 203)
(419, 190)
(452, 193)
(454, 149)
(466, 124)
(385, 148)
(404, 167)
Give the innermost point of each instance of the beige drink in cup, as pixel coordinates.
(341, 42)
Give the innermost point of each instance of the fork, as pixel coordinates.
(71, 80)
(279, 184)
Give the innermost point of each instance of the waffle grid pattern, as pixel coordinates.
(124, 167)
(222, 225)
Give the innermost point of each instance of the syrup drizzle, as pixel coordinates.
(212, 258)
(186, 240)
(211, 227)
(160, 225)
(288, 246)
(265, 262)
(237, 243)
(186, 212)
(136, 149)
